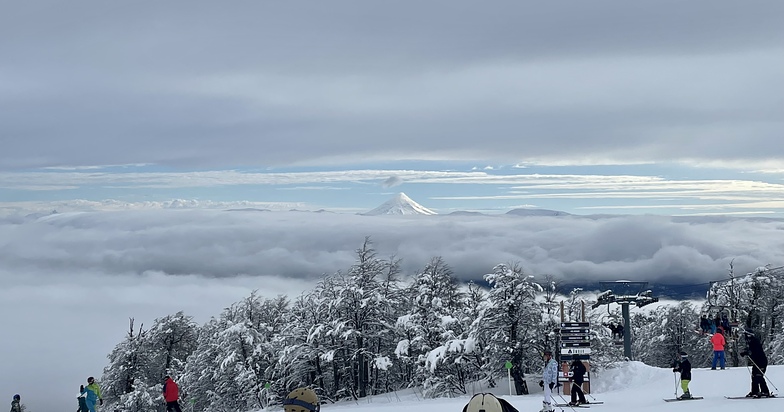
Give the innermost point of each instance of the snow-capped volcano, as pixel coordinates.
(400, 205)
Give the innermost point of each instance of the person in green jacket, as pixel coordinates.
(92, 393)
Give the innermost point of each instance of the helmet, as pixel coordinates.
(483, 402)
(17, 397)
(301, 400)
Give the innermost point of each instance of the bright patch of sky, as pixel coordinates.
(664, 189)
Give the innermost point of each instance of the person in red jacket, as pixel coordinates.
(171, 394)
(718, 349)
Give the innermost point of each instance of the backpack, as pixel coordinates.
(487, 402)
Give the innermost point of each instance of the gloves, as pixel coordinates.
(744, 353)
(81, 388)
(551, 385)
(541, 384)
(100, 401)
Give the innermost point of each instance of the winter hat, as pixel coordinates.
(483, 402)
(548, 352)
(301, 400)
(683, 354)
(17, 397)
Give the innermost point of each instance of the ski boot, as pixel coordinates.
(686, 395)
(547, 407)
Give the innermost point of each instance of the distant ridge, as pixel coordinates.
(537, 212)
(400, 205)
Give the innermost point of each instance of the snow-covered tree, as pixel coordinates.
(510, 319)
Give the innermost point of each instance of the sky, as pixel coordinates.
(656, 125)
(666, 108)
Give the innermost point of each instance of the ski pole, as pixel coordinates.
(575, 384)
(763, 374)
(564, 400)
(674, 376)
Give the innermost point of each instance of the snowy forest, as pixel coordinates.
(367, 331)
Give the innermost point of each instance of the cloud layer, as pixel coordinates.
(202, 85)
(305, 245)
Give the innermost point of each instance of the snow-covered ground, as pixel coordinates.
(631, 387)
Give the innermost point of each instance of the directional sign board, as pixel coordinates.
(569, 358)
(575, 351)
(575, 337)
(575, 331)
(570, 325)
(575, 344)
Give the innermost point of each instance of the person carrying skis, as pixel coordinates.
(15, 407)
(91, 393)
(759, 364)
(549, 381)
(718, 348)
(171, 394)
(578, 377)
(683, 366)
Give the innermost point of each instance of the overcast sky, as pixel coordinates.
(141, 103)
(127, 110)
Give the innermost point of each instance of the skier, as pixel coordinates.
(171, 394)
(15, 407)
(578, 377)
(91, 393)
(684, 367)
(549, 381)
(301, 400)
(759, 364)
(704, 325)
(718, 348)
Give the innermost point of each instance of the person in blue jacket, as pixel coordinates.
(91, 393)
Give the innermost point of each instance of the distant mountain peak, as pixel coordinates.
(400, 205)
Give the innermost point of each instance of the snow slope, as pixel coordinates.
(631, 387)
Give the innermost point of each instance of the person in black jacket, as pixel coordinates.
(578, 377)
(759, 364)
(684, 367)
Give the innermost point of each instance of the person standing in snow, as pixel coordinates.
(684, 367)
(578, 377)
(171, 394)
(91, 393)
(718, 348)
(549, 381)
(15, 406)
(759, 364)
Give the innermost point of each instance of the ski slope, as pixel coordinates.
(633, 386)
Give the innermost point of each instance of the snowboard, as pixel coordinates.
(693, 398)
(748, 397)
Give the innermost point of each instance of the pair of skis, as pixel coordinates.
(772, 396)
(582, 405)
(696, 398)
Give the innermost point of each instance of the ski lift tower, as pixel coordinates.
(625, 293)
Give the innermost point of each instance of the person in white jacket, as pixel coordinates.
(549, 381)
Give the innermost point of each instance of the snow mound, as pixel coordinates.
(626, 375)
